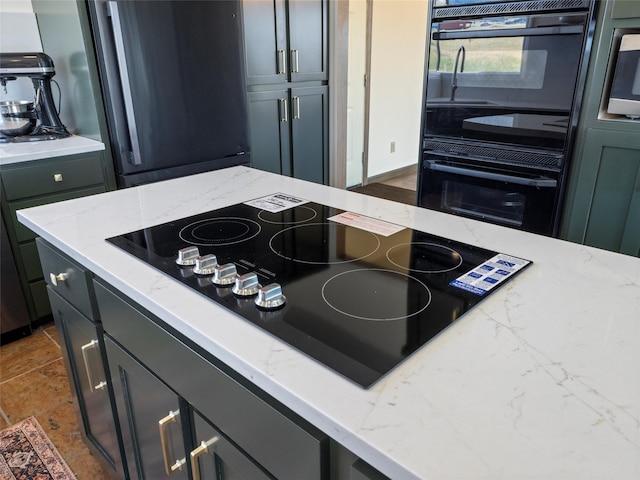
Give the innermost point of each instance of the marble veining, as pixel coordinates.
(11, 153)
(540, 380)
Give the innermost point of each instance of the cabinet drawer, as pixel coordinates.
(53, 176)
(72, 282)
(287, 448)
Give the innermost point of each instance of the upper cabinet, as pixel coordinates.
(286, 41)
(603, 197)
(287, 86)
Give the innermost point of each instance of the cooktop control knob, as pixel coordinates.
(246, 285)
(205, 265)
(187, 256)
(270, 297)
(224, 274)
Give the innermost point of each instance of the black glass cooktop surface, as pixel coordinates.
(357, 294)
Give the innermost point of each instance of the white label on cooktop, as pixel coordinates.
(490, 274)
(367, 223)
(277, 202)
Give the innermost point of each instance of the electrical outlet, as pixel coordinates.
(393, 147)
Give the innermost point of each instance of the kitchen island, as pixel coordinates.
(540, 380)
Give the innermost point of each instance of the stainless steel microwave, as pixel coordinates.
(624, 98)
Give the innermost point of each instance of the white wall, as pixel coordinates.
(18, 33)
(397, 62)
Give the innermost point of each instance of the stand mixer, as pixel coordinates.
(23, 120)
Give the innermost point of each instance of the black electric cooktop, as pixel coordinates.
(355, 293)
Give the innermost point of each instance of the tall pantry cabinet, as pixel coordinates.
(287, 82)
(603, 196)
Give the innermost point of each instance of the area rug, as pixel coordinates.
(26, 453)
(389, 192)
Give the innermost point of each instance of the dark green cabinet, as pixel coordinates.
(37, 182)
(289, 132)
(269, 122)
(287, 81)
(149, 415)
(81, 340)
(607, 200)
(602, 207)
(83, 350)
(285, 40)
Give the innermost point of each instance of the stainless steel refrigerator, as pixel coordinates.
(173, 82)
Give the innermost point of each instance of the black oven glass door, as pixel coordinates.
(505, 79)
(505, 197)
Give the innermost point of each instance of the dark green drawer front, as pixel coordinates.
(76, 283)
(23, 233)
(282, 446)
(40, 179)
(31, 261)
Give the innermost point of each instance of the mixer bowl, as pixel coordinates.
(17, 117)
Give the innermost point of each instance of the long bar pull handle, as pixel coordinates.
(282, 63)
(284, 111)
(135, 155)
(93, 344)
(196, 452)
(163, 425)
(295, 62)
(296, 110)
(529, 182)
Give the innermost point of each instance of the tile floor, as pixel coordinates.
(33, 382)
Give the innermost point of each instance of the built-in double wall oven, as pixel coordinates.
(502, 91)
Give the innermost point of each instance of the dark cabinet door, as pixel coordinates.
(308, 40)
(265, 36)
(215, 458)
(83, 352)
(309, 133)
(150, 419)
(285, 41)
(269, 123)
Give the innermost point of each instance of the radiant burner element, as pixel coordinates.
(379, 287)
(355, 293)
(219, 231)
(293, 216)
(308, 244)
(428, 257)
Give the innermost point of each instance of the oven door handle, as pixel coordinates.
(529, 182)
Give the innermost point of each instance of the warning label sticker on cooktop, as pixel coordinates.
(490, 274)
(277, 202)
(366, 223)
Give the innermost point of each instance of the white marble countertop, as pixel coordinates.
(539, 381)
(25, 151)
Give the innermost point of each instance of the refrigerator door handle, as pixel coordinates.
(135, 158)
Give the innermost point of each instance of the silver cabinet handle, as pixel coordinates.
(136, 156)
(163, 425)
(282, 63)
(57, 177)
(284, 111)
(93, 344)
(296, 110)
(295, 62)
(59, 278)
(196, 452)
